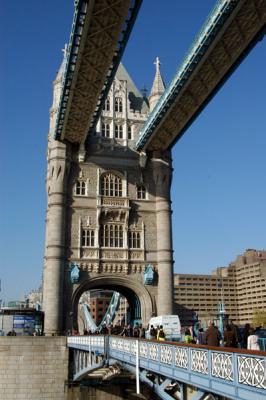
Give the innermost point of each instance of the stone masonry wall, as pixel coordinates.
(33, 368)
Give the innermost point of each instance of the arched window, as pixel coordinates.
(106, 106)
(118, 131)
(134, 240)
(118, 104)
(105, 130)
(80, 189)
(141, 192)
(111, 235)
(87, 238)
(111, 185)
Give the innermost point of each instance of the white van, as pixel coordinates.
(171, 326)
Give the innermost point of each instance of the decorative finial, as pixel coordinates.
(144, 91)
(65, 50)
(157, 63)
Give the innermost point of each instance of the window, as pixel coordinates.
(87, 239)
(118, 104)
(134, 240)
(111, 185)
(141, 192)
(81, 188)
(118, 131)
(111, 235)
(129, 132)
(106, 106)
(105, 130)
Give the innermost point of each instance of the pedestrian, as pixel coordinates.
(236, 331)
(230, 339)
(188, 337)
(245, 336)
(141, 332)
(161, 334)
(153, 332)
(201, 338)
(253, 340)
(136, 330)
(213, 335)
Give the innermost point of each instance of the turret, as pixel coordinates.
(158, 86)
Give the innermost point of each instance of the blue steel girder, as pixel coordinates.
(230, 32)
(233, 373)
(99, 34)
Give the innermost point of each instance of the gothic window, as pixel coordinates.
(141, 192)
(105, 130)
(118, 131)
(134, 240)
(111, 185)
(87, 238)
(111, 235)
(118, 104)
(106, 106)
(129, 132)
(80, 189)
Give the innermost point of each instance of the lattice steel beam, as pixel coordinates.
(100, 31)
(230, 32)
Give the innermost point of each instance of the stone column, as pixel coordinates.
(53, 281)
(162, 172)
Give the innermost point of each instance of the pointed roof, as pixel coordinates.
(158, 86)
(137, 102)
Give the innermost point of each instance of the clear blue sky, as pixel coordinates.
(219, 190)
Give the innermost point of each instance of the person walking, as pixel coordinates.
(213, 335)
(153, 332)
(160, 334)
(230, 339)
(253, 340)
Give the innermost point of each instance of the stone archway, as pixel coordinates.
(123, 285)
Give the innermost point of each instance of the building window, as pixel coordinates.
(134, 240)
(105, 130)
(129, 132)
(118, 104)
(118, 131)
(80, 189)
(111, 185)
(106, 106)
(141, 192)
(87, 239)
(111, 235)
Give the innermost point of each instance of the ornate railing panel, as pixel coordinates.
(227, 373)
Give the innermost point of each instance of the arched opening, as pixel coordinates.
(136, 304)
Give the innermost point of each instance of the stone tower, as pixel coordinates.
(108, 220)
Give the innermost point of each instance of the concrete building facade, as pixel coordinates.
(241, 287)
(109, 213)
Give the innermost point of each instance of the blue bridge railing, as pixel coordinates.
(234, 373)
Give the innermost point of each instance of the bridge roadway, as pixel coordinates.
(168, 367)
(230, 32)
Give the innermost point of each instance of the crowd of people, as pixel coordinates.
(246, 338)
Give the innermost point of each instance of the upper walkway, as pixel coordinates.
(99, 34)
(230, 32)
(165, 366)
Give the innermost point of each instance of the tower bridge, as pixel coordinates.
(108, 223)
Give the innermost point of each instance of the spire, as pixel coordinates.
(158, 86)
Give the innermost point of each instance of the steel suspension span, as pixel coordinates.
(100, 31)
(167, 367)
(230, 32)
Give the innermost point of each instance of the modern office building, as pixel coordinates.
(241, 286)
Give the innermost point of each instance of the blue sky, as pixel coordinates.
(219, 191)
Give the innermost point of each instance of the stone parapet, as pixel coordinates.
(33, 368)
